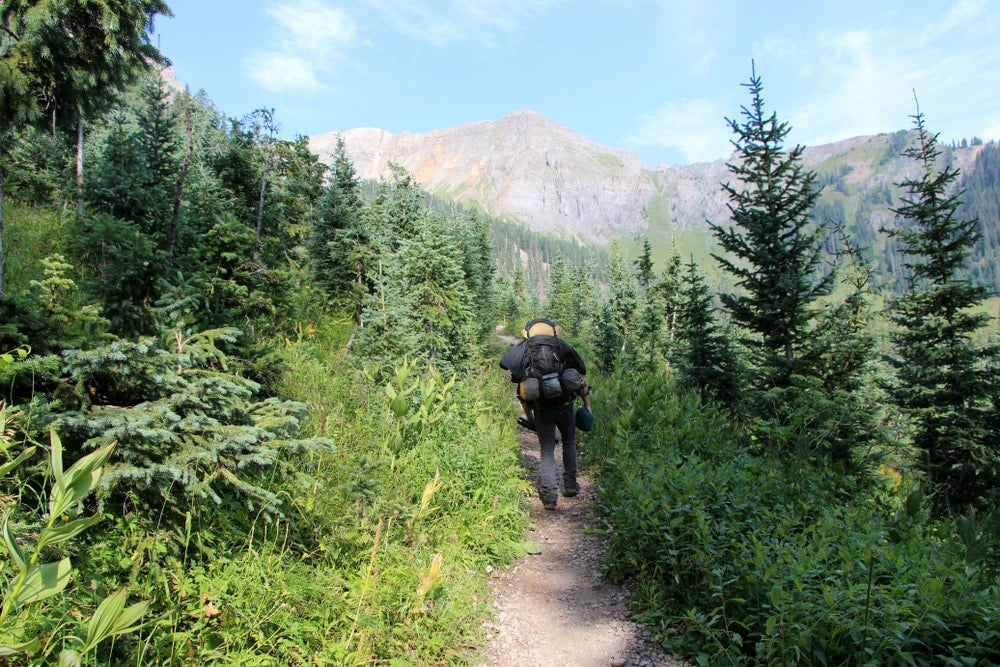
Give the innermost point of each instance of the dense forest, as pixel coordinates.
(250, 408)
(850, 207)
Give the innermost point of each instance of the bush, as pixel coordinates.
(743, 559)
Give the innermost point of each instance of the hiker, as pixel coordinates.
(550, 375)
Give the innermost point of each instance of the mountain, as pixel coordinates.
(525, 167)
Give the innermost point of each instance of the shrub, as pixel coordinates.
(743, 559)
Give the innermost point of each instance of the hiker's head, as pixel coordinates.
(540, 326)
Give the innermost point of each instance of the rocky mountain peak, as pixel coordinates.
(527, 168)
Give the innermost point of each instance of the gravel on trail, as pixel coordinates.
(551, 608)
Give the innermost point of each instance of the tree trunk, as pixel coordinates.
(2, 175)
(175, 219)
(79, 164)
(263, 187)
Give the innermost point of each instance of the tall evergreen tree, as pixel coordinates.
(62, 60)
(706, 361)
(772, 249)
(338, 210)
(623, 299)
(944, 376)
(478, 266)
(668, 286)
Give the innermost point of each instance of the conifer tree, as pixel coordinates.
(772, 249)
(668, 286)
(706, 361)
(623, 299)
(338, 211)
(944, 378)
(644, 265)
(560, 296)
(478, 266)
(63, 61)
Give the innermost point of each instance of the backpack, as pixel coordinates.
(542, 366)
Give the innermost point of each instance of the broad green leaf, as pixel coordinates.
(61, 532)
(10, 465)
(41, 582)
(128, 620)
(69, 658)
(13, 548)
(104, 618)
(79, 480)
(8, 647)
(56, 458)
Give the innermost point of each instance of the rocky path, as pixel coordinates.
(551, 608)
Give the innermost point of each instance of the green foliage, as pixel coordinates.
(35, 167)
(334, 262)
(122, 267)
(191, 431)
(772, 249)
(744, 559)
(707, 363)
(34, 581)
(944, 375)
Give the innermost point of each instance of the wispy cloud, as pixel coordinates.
(445, 23)
(862, 81)
(309, 37)
(692, 127)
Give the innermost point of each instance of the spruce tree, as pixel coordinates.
(338, 211)
(944, 379)
(668, 287)
(623, 300)
(706, 362)
(772, 249)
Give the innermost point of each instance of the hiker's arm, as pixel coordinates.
(585, 395)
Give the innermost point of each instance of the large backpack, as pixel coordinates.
(542, 366)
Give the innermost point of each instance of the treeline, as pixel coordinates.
(861, 212)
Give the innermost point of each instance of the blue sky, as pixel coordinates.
(654, 77)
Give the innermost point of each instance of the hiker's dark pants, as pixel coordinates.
(547, 420)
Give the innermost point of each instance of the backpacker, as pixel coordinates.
(542, 363)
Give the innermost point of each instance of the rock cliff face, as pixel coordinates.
(525, 167)
(521, 167)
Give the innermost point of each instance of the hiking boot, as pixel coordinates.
(570, 491)
(549, 506)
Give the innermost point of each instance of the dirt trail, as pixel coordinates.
(551, 609)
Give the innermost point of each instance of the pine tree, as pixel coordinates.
(706, 360)
(623, 300)
(944, 379)
(772, 250)
(668, 286)
(338, 211)
(479, 269)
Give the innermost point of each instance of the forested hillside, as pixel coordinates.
(250, 408)
(527, 169)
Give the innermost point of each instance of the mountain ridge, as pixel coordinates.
(527, 168)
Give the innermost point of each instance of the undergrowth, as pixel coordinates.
(377, 550)
(745, 559)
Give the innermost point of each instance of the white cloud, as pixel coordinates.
(865, 80)
(312, 27)
(284, 72)
(694, 128)
(310, 37)
(444, 23)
